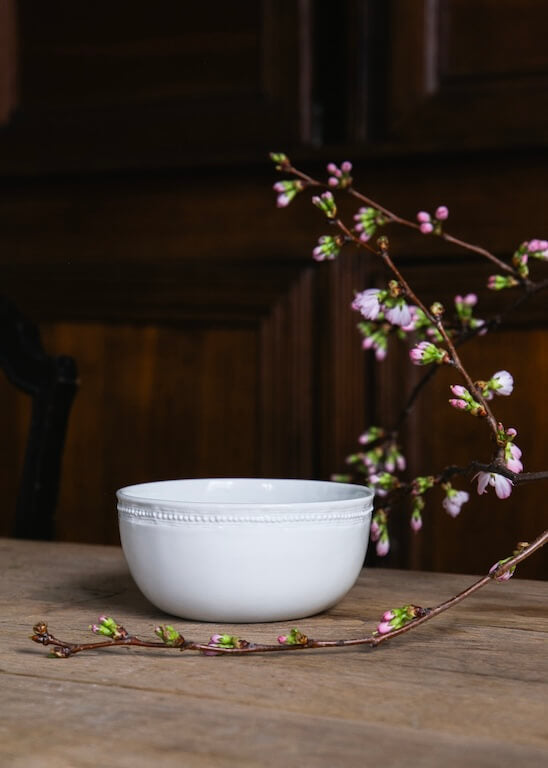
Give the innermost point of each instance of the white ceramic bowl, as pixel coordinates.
(244, 550)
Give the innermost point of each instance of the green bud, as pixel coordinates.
(281, 160)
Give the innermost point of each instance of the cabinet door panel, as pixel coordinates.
(464, 73)
(135, 85)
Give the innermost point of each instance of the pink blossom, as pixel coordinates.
(512, 458)
(388, 615)
(459, 391)
(539, 248)
(367, 302)
(442, 212)
(375, 531)
(537, 245)
(415, 523)
(346, 166)
(460, 404)
(425, 352)
(283, 200)
(426, 227)
(411, 325)
(383, 546)
(514, 450)
(502, 382)
(423, 217)
(398, 315)
(384, 628)
(453, 502)
(502, 485)
(380, 353)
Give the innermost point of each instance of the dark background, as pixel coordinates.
(138, 228)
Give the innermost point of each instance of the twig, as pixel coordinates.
(392, 217)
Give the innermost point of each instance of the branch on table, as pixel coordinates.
(394, 622)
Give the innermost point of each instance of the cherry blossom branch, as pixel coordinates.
(386, 311)
(433, 315)
(394, 622)
(342, 180)
(394, 218)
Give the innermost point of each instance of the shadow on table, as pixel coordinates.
(108, 591)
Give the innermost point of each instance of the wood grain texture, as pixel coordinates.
(468, 687)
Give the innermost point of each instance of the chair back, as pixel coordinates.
(51, 382)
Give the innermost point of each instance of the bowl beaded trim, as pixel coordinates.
(137, 514)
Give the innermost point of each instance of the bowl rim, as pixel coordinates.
(129, 493)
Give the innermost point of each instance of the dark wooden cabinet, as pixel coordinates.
(138, 228)
(128, 85)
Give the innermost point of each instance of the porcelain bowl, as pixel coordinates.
(244, 550)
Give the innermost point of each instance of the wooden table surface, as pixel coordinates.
(468, 688)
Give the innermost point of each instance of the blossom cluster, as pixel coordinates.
(429, 224)
(224, 641)
(107, 627)
(511, 460)
(396, 618)
(534, 249)
(294, 637)
(454, 499)
(287, 190)
(169, 636)
(328, 248)
(379, 532)
(367, 220)
(340, 177)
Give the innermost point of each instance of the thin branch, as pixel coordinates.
(392, 217)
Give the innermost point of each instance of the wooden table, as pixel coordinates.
(468, 688)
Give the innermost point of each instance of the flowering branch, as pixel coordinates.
(398, 310)
(393, 622)
(389, 216)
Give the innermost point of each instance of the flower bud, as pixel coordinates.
(339, 177)
(498, 282)
(169, 636)
(426, 353)
(281, 160)
(383, 545)
(506, 575)
(295, 637)
(437, 309)
(326, 203)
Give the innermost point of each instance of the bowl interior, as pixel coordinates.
(240, 491)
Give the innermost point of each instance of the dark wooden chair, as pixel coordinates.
(51, 382)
